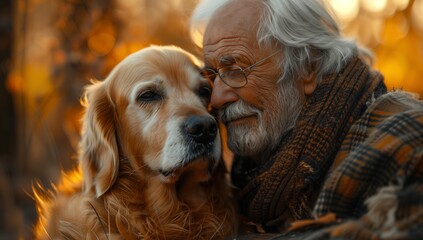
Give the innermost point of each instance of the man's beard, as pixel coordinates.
(273, 122)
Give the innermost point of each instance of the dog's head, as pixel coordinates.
(151, 111)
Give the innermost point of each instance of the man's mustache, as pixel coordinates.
(237, 110)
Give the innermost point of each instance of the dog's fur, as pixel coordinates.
(140, 174)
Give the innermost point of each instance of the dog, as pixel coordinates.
(149, 160)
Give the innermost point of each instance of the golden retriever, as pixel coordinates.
(150, 163)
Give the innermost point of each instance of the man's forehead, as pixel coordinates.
(233, 19)
(231, 32)
(240, 10)
(226, 56)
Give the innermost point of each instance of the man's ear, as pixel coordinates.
(99, 157)
(310, 84)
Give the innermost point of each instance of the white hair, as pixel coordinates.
(304, 29)
(201, 16)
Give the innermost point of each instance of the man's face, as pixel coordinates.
(255, 115)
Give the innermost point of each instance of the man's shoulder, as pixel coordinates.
(392, 108)
(382, 150)
(395, 102)
(396, 116)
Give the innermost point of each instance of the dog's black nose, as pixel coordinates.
(201, 129)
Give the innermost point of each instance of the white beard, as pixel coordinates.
(272, 123)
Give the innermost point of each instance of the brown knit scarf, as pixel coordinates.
(285, 188)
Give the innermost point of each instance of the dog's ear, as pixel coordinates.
(99, 157)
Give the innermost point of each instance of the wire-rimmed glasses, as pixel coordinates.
(233, 76)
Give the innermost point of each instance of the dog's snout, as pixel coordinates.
(201, 128)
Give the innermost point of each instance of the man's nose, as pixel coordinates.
(222, 94)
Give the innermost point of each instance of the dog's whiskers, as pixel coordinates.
(45, 230)
(220, 225)
(96, 236)
(108, 217)
(99, 219)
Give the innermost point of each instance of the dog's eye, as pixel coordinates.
(205, 92)
(148, 96)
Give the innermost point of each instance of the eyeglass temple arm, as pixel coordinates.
(248, 69)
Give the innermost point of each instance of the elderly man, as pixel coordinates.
(313, 130)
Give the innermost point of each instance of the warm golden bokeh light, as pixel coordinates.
(393, 29)
(374, 6)
(101, 43)
(401, 4)
(417, 14)
(345, 10)
(395, 67)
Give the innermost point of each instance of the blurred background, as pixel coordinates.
(50, 49)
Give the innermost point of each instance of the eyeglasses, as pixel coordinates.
(233, 76)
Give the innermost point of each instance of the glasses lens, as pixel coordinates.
(209, 74)
(233, 76)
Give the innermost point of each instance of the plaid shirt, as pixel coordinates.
(375, 186)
